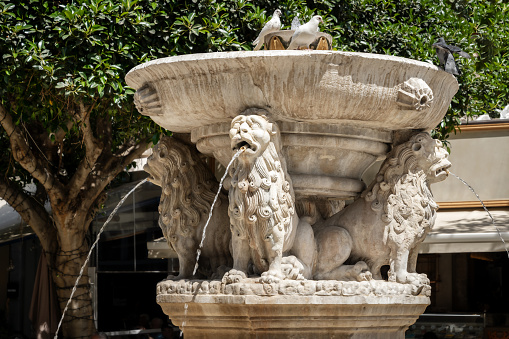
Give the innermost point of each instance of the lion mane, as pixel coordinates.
(397, 209)
(188, 190)
(401, 190)
(261, 198)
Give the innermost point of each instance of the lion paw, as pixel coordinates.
(233, 276)
(271, 276)
(361, 272)
(417, 279)
(174, 277)
(293, 268)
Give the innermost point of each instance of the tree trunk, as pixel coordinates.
(68, 261)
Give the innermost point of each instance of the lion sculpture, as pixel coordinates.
(188, 190)
(392, 216)
(267, 233)
(262, 213)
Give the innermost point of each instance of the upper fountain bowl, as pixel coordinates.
(385, 92)
(336, 111)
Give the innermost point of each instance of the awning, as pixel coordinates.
(159, 248)
(467, 231)
(146, 200)
(12, 227)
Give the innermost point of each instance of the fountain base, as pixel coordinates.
(293, 309)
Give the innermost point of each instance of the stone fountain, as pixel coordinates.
(281, 256)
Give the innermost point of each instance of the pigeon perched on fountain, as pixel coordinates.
(445, 56)
(504, 114)
(274, 24)
(305, 34)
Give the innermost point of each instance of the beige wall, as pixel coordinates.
(480, 156)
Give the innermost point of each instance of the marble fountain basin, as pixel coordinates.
(337, 111)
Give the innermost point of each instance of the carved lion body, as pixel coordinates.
(262, 213)
(395, 213)
(188, 190)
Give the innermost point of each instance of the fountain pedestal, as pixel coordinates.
(307, 309)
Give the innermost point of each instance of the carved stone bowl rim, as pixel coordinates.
(193, 90)
(132, 81)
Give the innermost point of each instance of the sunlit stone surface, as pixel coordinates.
(309, 124)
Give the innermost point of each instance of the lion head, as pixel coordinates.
(401, 190)
(261, 196)
(188, 187)
(253, 133)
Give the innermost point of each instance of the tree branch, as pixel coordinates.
(93, 150)
(27, 159)
(111, 166)
(31, 211)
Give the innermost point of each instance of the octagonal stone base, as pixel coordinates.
(292, 309)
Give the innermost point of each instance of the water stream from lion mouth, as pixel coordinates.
(198, 251)
(91, 249)
(485, 208)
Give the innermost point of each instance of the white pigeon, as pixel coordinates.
(504, 114)
(305, 34)
(274, 24)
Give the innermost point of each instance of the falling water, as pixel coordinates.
(198, 252)
(90, 252)
(184, 322)
(486, 209)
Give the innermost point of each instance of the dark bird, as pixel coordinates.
(445, 56)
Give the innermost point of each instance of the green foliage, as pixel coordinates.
(57, 54)
(408, 28)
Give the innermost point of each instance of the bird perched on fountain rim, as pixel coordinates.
(305, 34)
(273, 25)
(446, 58)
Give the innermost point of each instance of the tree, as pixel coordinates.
(68, 121)
(408, 28)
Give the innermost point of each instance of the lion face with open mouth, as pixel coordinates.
(433, 159)
(252, 133)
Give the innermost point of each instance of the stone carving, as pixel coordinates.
(266, 231)
(267, 236)
(262, 212)
(250, 286)
(415, 94)
(396, 212)
(338, 112)
(147, 101)
(188, 190)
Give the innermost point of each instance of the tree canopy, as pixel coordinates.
(68, 119)
(54, 53)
